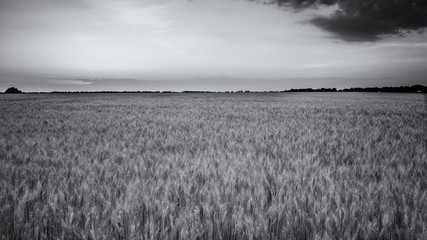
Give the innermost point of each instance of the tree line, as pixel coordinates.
(401, 89)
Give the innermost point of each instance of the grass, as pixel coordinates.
(213, 166)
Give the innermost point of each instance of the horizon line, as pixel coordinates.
(402, 89)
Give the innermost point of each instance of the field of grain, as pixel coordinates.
(213, 166)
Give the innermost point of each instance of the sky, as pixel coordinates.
(215, 45)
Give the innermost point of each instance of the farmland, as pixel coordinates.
(213, 166)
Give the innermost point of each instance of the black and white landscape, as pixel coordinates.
(213, 119)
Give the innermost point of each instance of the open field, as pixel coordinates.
(213, 166)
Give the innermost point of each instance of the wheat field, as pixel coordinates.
(213, 166)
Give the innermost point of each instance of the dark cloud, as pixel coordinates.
(367, 20)
(351, 28)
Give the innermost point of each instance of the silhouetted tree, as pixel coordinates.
(13, 90)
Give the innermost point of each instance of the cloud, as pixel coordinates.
(138, 13)
(354, 28)
(70, 82)
(367, 20)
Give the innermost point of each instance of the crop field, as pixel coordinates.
(213, 166)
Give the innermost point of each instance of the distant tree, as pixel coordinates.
(13, 90)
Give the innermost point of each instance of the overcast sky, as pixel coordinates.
(48, 45)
